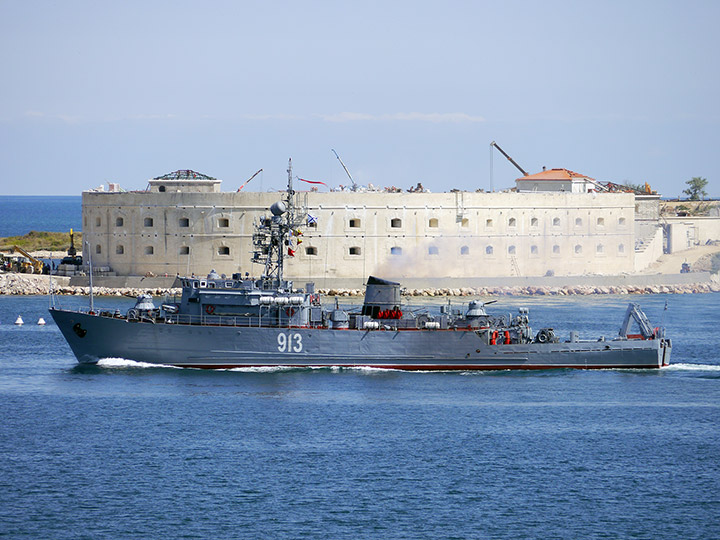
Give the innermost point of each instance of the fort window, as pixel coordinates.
(149, 250)
(119, 249)
(489, 250)
(97, 221)
(223, 250)
(161, 189)
(396, 223)
(512, 222)
(578, 222)
(464, 250)
(354, 223)
(488, 223)
(556, 222)
(533, 250)
(578, 249)
(534, 222)
(433, 250)
(354, 251)
(311, 251)
(148, 222)
(98, 249)
(511, 250)
(600, 222)
(184, 222)
(119, 222)
(223, 222)
(556, 249)
(433, 223)
(396, 250)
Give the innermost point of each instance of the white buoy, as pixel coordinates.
(41, 321)
(19, 321)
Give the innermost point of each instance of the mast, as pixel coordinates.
(92, 307)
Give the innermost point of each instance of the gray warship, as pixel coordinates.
(239, 322)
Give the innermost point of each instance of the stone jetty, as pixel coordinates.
(24, 284)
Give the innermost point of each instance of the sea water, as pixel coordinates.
(48, 213)
(126, 450)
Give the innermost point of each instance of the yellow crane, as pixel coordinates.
(29, 266)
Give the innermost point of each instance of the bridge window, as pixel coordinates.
(464, 250)
(149, 250)
(223, 222)
(354, 251)
(184, 222)
(148, 222)
(119, 249)
(119, 222)
(223, 250)
(433, 223)
(396, 250)
(396, 223)
(184, 250)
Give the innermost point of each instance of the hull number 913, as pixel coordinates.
(289, 342)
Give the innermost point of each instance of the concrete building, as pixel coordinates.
(184, 224)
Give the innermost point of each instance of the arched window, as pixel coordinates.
(600, 222)
(311, 250)
(396, 223)
(556, 249)
(533, 250)
(354, 223)
(355, 250)
(621, 248)
(223, 222)
(98, 249)
(599, 248)
(464, 250)
(489, 250)
(433, 223)
(534, 222)
(161, 189)
(433, 250)
(148, 222)
(184, 222)
(465, 223)
(578, 249)
(621, 221)
(396, 250)
(556, 222)
(578, 222)
(512, 222)
(97, 221)
(119, 222)
(511, 250)
(119, 249)
(223, 250)
(489, 223)
(184, 250)
(149, 250)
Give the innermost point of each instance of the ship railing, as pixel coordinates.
(246, 321)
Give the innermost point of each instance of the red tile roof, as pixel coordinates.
(555, 174)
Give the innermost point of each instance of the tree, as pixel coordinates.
(696, 188)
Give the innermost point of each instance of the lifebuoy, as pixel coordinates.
(507, 338)
(209, 309)
(493, 338)
(289, 311)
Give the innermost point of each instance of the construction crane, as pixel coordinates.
(511, 160)
(354, 185)
(29, 266)
(248, 180)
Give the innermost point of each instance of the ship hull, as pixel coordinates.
(92, 337)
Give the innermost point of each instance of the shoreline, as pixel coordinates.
(27, 284)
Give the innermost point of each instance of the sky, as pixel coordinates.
(405, 91)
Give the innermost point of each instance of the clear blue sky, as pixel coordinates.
(406, 92)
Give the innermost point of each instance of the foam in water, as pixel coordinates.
(123, 363)
(692, 367)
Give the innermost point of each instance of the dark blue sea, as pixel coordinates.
(21, 214)
(125, 450)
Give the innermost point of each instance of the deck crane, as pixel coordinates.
(511, 160)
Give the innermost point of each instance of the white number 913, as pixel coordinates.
(289, 342)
